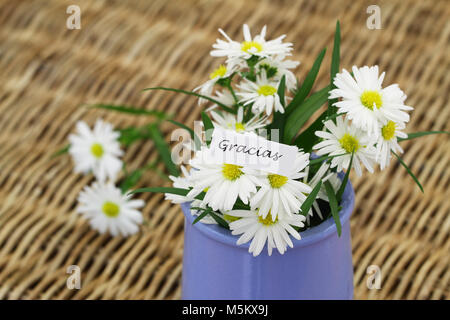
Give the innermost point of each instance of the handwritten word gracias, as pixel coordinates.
(226, 145)
(251, 150)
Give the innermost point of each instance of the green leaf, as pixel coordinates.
(310, 199)
(163, 149)
(191, 93)
(196, 139)
(153, 167)
(219, 220)
(61, 151)
(209, 127)
(345, 180)
(421, 134)
(281, 90)
(307, 85)
(132, 134)
(335, 60)
(303, 112)
(333, 206)
(408, 170)
(178, 191)
(131, 180)
(323, 158)
(130, 110)
(202, 215)
(307, 139)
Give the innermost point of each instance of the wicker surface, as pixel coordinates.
(47, 71)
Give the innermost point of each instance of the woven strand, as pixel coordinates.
(48, 71)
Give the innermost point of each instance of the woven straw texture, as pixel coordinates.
(47, 71)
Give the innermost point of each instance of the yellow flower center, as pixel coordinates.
(369, 98)
(230, 218)
(349, 143)
(277, 181)
(110, 209)
(267, 90)
(231, 171)
(219, 72)
(239, 126)
(267, 221)
(388, 131)
(246, 46)
(97, 150)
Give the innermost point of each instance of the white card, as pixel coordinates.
(251, 150)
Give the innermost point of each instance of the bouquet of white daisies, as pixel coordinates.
(254, 92)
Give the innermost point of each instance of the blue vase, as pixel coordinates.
(319, 266)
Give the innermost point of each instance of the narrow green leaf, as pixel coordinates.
(202, 215)
(191, 93)
(130, 110)
(303, 112)
(323, 158)
(131, 180)
(307, 139)
(408, 170)
(178, 191)
(196, 139)
(282, 90)
(209, 127)
(345, 180)
(335, 60)
(333, 206)
(61, 151)
(307, 85)
(310, 199)
(219, 220)
(163, 149)
(132, 134)
(421, 134)
(153, 167)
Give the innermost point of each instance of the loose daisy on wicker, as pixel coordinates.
(254, 92)
(107, 207)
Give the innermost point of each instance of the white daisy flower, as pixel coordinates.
(223, 183)
(262, 93)
(279, 68)
(256, 46)
(387, 141)
(206, 89)
(344, 138)
(282, 195)
(261, 230)
(365, 102)
(97, 151)
(107, 209)
(236, 123)
(180, 182)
